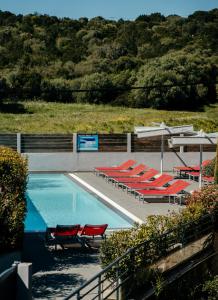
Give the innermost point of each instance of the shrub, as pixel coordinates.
(198, 204)
(207, 197)
(208, 170)
(13, 178)
(211, 287)
(25, 84)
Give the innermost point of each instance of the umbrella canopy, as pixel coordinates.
(201, 138)
(161, 130)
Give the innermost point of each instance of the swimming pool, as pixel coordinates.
(55, 199)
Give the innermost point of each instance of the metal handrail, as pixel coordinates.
(5, 274)
(147, 244)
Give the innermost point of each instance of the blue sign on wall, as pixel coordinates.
(87, 142)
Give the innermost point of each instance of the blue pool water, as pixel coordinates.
(54, 199)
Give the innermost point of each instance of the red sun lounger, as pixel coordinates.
(63, 234)
(135, 171)
(92, 231)
(170, 191)
(196, 175)
(148, 175)
(124, 166)
(191, 169)
(158, 182)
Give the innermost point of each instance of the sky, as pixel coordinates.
(109, 9)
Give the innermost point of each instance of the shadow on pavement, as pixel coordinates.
(57, 273)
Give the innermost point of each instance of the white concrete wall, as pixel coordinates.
(84, 161)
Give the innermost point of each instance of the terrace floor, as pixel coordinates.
(57, 273)
(127, 201)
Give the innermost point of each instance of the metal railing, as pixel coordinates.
(8, 279)
(110, 281)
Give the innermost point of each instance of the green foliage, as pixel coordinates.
(211, 288)
(198, 204)
(178, 68)
(37, 49)
(209, 169)
(207, 197)
(101, 86)
(13, 178)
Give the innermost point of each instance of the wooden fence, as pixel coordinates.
(39, 143)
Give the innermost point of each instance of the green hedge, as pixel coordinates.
(13, 179)
(208, 170)
(199, 203)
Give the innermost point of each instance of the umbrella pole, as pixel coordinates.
(162, 154)
(201, 169)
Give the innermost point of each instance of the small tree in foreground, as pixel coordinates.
(13, 179)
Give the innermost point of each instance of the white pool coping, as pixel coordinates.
(107, 199)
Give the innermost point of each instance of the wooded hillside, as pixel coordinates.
(43, 57)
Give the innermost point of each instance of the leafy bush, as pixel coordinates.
(198, 204)
(25, 84)
(211, 287)
(207, 197)
(208, 170)
(13, 178)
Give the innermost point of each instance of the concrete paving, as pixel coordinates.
(57, 272)
(128, 201)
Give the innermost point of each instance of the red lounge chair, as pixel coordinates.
(124, 166)
(196, 168)
(144, 177)
(208, 179)
(170, 191)
(135, 171)
(148, 175)
(158, 182)
(92, 231)
(63, 234)
(196, 175)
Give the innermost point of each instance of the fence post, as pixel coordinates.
(181, 148)
(24, 281)
(75, 153)
(75, 143)
(129, 141)
(19, 142)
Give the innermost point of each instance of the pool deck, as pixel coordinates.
(57, 273)
(128, 201)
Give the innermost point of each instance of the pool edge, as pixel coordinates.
(106, 199)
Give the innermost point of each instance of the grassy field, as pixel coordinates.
(42, 117)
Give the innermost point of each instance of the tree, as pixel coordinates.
(177, 72)
(100, 86)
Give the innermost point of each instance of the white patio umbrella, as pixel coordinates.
(201, 138)
(162, 130)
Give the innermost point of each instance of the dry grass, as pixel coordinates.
(43, 117)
